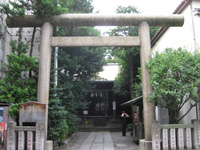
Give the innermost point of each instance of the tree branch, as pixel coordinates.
(32, 41)
(191, 106)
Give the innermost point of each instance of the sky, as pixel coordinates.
(146, 7)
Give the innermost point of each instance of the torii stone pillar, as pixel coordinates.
(45, 67)
(45, 63)
(149, 108)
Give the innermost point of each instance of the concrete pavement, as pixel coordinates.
(101, 141)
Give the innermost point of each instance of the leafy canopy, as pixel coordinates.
(175, 78)
(76, 67)
(122, 56)
(19, 83)
(36, 7)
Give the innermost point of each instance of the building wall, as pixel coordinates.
(188, 37)
(182, 36)
(4, 39)
(109, 72)
(12, 34)
(27, 37)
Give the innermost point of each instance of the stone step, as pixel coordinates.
(91, 128)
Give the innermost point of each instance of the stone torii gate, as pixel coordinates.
(48, 41)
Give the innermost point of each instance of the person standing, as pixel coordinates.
(124, 117)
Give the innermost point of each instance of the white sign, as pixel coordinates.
(85, 112)
(114, 105)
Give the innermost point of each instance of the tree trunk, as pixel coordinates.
(32, 41)
(20, 34)
(31, 49)
(131, 75)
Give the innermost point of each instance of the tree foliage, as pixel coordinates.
(175, 78)
(58, 127)
(138, 85)
(36, 7)
(19, 83)
(77, 66)
(122, 56)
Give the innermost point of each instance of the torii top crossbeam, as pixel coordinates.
(95, 20)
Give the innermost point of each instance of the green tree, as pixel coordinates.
(138, 85)
(57, 123)
(36, 7)
(127, 57)
(77, 65)
(124, 56)
(19, 84)
(175, 78)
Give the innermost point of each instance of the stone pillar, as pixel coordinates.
(21, 141)
(30, 140)
(196, 141)
(188, 134)
(145, 54)
(45, 67)
(45, 63)
(155, 135)
(49, 145)
(11, 136)
(40, 137)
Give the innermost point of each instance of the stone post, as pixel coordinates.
(45, 67)
(173, 139)
(165, 136)
(196, 141)
(30, 140)
(188, 134)
(148, 108)
(181, 138)
(21, 141)
(40, 137)
(11, 136)
(145, 54)
(155, 135)
(45, 63)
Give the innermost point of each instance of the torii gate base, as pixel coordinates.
(143, 41)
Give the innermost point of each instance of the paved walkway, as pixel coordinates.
(101, 141)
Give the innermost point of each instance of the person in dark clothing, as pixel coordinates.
(124, 117)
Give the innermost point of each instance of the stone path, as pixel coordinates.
(101, 141)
